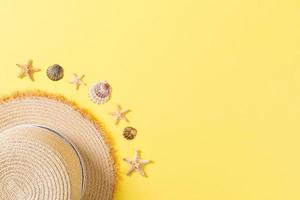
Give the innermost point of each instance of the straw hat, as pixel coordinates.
(52, 150)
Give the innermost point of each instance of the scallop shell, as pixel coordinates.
(55, 72)
(129, 133)
(100, 92)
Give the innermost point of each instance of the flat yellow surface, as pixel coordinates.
(214, 86)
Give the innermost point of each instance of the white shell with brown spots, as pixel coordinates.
(100, 92)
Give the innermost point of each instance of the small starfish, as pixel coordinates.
(27, 70)
(119, 114)
(77, 81)
(136, 164)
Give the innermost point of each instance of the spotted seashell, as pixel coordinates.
(100, 92)
(129, 133)
(55, 72)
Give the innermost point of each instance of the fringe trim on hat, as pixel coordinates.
(84, 112)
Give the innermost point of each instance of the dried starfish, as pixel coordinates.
(120, 114)
(136, 164)
(78, 81)
(27, 70)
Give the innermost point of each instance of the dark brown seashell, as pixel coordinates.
(129, 133)
(55, 72)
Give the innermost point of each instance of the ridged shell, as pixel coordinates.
(55, 72)
(129, 133)
(100, 92)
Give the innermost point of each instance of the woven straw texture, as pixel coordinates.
(38, 164)
(60, 116)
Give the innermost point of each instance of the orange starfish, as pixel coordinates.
(27, 70)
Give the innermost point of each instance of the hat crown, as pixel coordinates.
(79, 128)
(37, 163)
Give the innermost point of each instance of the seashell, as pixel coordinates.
(129, 133)
(55, 72)
(100, 92)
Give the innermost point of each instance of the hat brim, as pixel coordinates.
(77, 125)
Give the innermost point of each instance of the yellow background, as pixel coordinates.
(214, 86)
